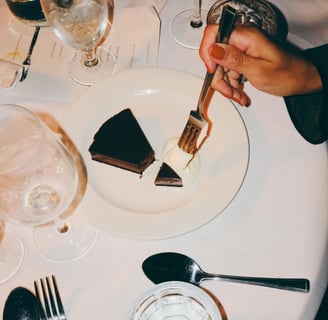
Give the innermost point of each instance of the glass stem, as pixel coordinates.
(196, 21)
(61, 226)
(90, 57)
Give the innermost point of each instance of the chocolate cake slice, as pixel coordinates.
(168, 177)
(121, 142)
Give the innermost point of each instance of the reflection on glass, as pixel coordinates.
(188, 26)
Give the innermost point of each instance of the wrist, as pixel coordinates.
(304, 78)
(313, 82)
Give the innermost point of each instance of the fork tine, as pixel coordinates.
(53, 306)
(45, 299)
(188, 139)
(52, 301)
(59, 301)
(40, 307)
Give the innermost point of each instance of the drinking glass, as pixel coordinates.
(11, 252)
(188, 26)
(39, 183)
(175, 300)
(263, 14)
(82, 24)
(28, 11)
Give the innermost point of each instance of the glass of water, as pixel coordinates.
(175, 300)
(82, 24)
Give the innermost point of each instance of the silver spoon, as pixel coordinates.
(171, 266)
(21, 304)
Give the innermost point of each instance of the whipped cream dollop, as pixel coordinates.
(180, 161)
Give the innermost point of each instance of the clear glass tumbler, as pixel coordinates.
(175, 300)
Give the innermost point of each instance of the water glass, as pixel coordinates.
(175, 300)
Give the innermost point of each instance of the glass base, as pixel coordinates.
(87, 76)
(65, 241)
(184, 33)
(11, 255)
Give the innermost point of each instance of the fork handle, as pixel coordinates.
(227, 23)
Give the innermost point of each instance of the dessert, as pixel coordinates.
(168, 177)
(184, 165)
(121, 142)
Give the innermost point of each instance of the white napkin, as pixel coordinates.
(10, 74)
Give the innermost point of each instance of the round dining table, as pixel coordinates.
(276, 224)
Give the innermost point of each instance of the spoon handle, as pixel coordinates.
(292, 284)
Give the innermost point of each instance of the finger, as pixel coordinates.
(228, 56)
(209, 37)
(241, 98)
(234, 80)
(230, 88)
(220, 84)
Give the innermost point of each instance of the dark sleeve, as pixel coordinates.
(309, 112)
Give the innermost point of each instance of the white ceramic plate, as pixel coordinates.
(125, 204)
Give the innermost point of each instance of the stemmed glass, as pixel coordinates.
(82, 24)
(28, 11)
(39, 183)
(11, 252)
(187, 27)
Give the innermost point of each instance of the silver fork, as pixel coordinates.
(52, 306)
(198, 120)
(27, 61)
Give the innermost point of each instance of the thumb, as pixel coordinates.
(229, 57)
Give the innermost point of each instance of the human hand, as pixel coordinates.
(276, 70)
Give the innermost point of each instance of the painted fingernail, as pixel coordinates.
(217, 52)
(248, 103)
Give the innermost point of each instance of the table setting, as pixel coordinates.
(245, 237)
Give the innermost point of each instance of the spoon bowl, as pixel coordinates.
(172, 266)
(21, 304)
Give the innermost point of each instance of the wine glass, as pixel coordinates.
(82, 24)
(11, 252)
(39, 183)
(188, 26)
(28, 11)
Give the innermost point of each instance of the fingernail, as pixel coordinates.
(217, 52)
(248, 103)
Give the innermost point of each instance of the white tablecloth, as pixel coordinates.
(276, 226)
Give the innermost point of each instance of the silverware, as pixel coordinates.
(171, 266)
(21, 304)
(52, 304)
(27, 61)
(198, 119)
